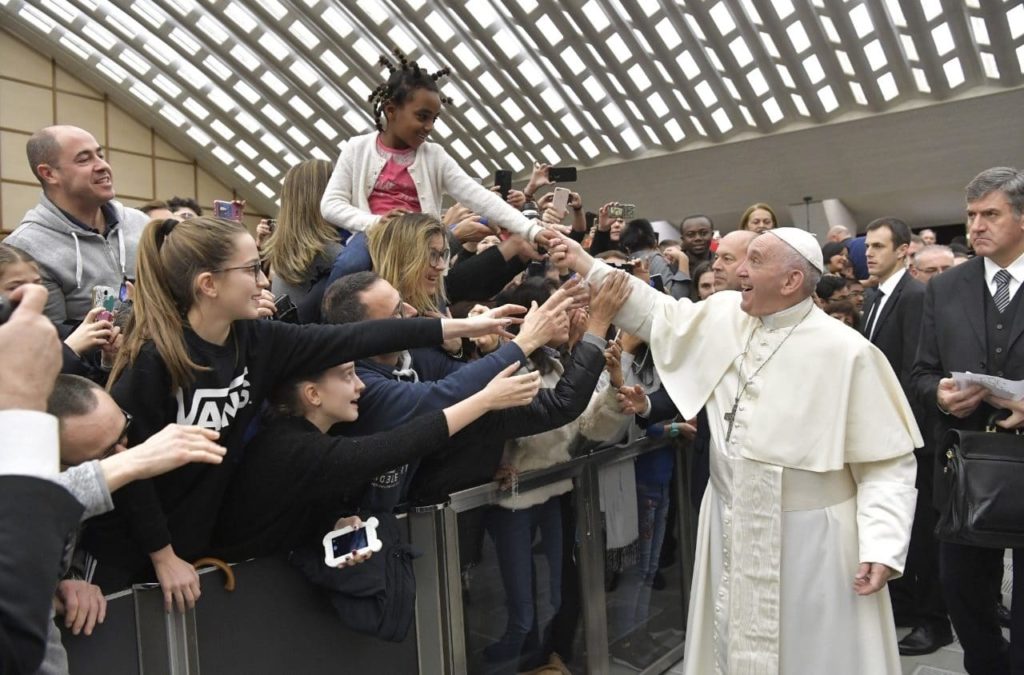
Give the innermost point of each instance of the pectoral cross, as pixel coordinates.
(730, 417)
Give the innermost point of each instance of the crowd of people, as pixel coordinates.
(234, 395)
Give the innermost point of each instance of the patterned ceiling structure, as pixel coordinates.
(253, 87)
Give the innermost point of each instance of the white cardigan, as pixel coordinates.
(346, 201)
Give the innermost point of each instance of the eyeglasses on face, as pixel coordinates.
(438, 258)
(123, 438)
(255, 269)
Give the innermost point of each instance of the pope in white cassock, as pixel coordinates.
(812, 495)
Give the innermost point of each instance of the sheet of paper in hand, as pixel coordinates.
(999, 386)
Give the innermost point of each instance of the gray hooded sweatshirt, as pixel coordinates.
(73, 260)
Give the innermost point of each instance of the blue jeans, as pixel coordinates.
(355, 257)
(652, 512)
(513, 533)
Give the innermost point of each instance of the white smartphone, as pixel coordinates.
(342, 545)
(561, 200)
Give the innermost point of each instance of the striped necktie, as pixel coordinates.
(1002, 296)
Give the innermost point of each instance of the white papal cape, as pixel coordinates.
(817, 476)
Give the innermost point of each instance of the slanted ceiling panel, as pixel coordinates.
(258, 85)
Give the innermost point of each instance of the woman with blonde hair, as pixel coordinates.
(411, 253)
(303, 246)
(758, 218)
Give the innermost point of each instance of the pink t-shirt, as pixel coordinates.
(394, 187)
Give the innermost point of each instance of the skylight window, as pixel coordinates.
(297, 136)
(247, 176)
(801, 107)
(272, 142)
(337, 22)
(241, 17)
(466, 56)
(144, 93)
(194, 107)
(482, 12)
(440, 26)
(639, 77)
(178, 37)
(706, 94)
(812, 66)
(508, 43)
(112, 70)
(496, 141)
(300, 106)
(751, 11)
(694, 27)
(274, 82)
(674, 130)
(723, 20)
(217, 67)
(475, 118)
(858, 93)
(783, 8)
(245, 57)
(104, 38)
(76, 45)
(798, 37)
(222, 129)
(980, 30)
(1015, 20)
(148, 12)
(573, 60)
(62, 9)
(302, 71)
(513, 110)
(932, 8)
(828, 98)
(199, 136)
(461, 149)
(273, 114)
(943, 39)
(988, 63)
(921, 80)
(589, 147)
(746, 115)
(772, 110)
(326, 129)
(861, 20)
(657, 104)
(595, 15)
(909, 48)
(337, 66)
(304, 35)
(757, 82)
(887, 84)
(668, 34)
(741, 52)
(223, 155)
(169, 89)
(275, 8)
(688, 65)
(844, 62)
(267, 192)
(954, 72)
(631, 140)
(173, 116)
(830, 30)
(270, 168)
(769, 45)
(618, 48)
(875, 55)
(784, 75)
(246, 149)
(549, 30)
(721, 119)
(274, 46)
(374, 10)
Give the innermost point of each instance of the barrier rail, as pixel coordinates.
(277, 622)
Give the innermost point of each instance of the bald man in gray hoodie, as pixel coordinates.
(81, 236)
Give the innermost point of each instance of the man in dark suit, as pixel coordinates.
(973, 321)
(36, 514)
(892, 321)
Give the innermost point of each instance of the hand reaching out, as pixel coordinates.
(633, 400)
(508, 390)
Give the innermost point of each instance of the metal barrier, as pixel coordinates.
(449, 640)
(277, 622)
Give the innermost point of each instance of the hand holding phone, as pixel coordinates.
(231, 210)
(560, 202)
(343, 545)
(503, 179)
(562, 174)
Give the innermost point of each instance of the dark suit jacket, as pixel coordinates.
(953, 340)
(36, 517)
(898, 328)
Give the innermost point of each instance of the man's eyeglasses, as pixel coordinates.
(123, 438)
(255, 269)
(438, 258)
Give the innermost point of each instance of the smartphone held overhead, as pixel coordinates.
(228, 210)
(562, 174)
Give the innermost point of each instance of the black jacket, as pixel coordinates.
(296, 481)
(473, 455)
(36, 517)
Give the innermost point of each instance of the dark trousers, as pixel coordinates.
(971, 579)
(917, 595)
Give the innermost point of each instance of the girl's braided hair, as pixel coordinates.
(405, 77)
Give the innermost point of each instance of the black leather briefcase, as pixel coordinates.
(983, 478)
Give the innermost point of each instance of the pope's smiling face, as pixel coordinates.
(769, 281)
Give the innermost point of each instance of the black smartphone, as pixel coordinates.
(503, 179)
(625, 267)
(536, 268)
(562, 174)
(591, 219)
(658, 283)
(6, 309)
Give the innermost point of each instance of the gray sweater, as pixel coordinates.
(73, 260)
